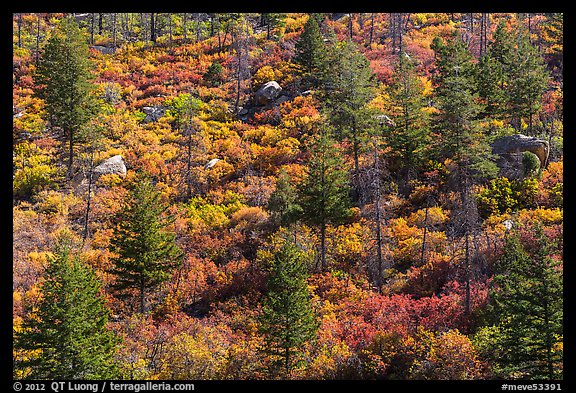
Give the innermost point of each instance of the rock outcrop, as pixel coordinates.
(510, 150)
(113, 165)
(267, 93)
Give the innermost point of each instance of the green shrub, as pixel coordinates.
(531, 163)
(503, 195)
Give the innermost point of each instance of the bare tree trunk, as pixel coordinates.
(184, 20)
(425, 230)
(371, 29)
(189, 167)
(38, 39)
(70, 152)
(392, 30)
(100, 23)
(170, 27)
(152, 28)
(401, 31)
(198, 30)
(19, 30)
(322, 246)
(89, 197)
(483, 33)
(92, 28)
(143, 27)
(467, 272)
(378, 220)
(114, 17)
(350, 22)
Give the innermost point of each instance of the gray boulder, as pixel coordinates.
(267, 93)
(153, 113)
(211, 163)
(113, 165)
(510, 150)
(104, 49)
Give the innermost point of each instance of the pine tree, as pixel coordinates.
(528, 81)
(459, 138)
(491, 76)
(64, 82)
(325, 193)
(288, 320)
(527, 311)
(282, 204)
(147, 250)
(65, 334)
(512, 77)
(271, 20)
(311, 53)
(409, 138)
(346, 89)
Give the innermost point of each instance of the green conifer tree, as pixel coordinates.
(288, 320)
(409, 137)
(64, 82)
(512, 77)
(147, 250)
(282, 204)
(459, 137)
(310, 53)
(325, 193)
(64, 335)
(527, 311)
(347, 87)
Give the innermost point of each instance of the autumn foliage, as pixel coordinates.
(397, 256)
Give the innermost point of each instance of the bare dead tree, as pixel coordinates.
(114, 18)
(152, 27)
(371, 39)
(241, 45)
(185, 30)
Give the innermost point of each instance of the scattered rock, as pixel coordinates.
(153, 113)
(242, 111)
(104, 49)
(508, 224)
(383, 119)
(113, 165)
(211, 163)
(510, 150)
(267, 93)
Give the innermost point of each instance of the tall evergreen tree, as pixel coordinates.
(311, 53)
(325, 194)
(459, 138)
(282, 204)
(347, 88)
(147, 250)
(64, 82)
(491, 75)
(512, 77)
(455, 125)
(528, 81)
(64, 335)
(527, 311)
(288, 320)
(409, 137)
